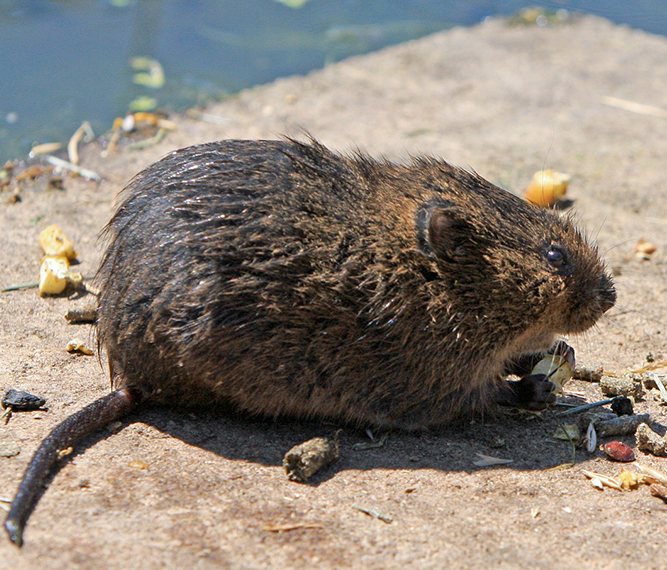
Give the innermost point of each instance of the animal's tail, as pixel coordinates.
(92, 418)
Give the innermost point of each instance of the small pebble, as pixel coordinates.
(660, 491)
(587, 374)
(648, 440)
(18, 400)
(627, 386)
(9, 448)
(622, 406)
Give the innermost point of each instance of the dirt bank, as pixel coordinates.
(196, 491)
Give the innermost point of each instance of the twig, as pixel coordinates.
(291, 526)
(72, 145)
(45, 148)
(151, 141)
(374, 514)
(634, 107)
(113, 141)
(587, 407)
(372, 445)
(19, 286)
(207, 117)
(60, 163)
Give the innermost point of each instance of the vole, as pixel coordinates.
(282, 278)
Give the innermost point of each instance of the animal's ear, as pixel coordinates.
(449, 234)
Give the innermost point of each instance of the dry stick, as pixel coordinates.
(373, 513)
(45, 148)
(60, 163)
(661, 387)
(587, 407)
(72, 145)
(112, 142)
(634, 107)
(19, 286)
(207, 117)
(151, 141)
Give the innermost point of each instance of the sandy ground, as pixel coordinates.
(174, 490)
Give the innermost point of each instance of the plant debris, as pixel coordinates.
(591, 440)
(363, 446)
(599, 480)
(76, 346)
(285, 527)
(634, 107)
(619, 451)
(138, 121)
(143, 103)
(652, 475)
(6, 174)
(44, 148)
(73, 145)
(488, 460)
(149, 142)
(644, 249)
(32, 172)
(20, 286)
(76, 169)
(569, 432)
(659, 491)
(54, 242)
(556, 368)
(586, 407)
(538, 16)
(151, 73)
(547, 187)
(54, 273)
(657, 381)
(304, 460)
(629, 479)
(374, 514)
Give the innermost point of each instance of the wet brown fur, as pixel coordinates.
(282, 278)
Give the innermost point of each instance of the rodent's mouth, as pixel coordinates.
(608, 297)
(583, 320)
(585, 313)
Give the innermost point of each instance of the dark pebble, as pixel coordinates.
(21, 401)
(622, 406)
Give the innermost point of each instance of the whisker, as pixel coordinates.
(630, 240)
(597, 233)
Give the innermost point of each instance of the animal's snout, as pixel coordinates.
(606, 293)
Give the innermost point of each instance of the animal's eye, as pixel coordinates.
(556, 256)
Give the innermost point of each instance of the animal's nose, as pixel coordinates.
(607, 294)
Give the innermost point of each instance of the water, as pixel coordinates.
(62, 62)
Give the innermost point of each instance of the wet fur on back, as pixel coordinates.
(282, 278)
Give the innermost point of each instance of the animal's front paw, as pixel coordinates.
(532, 392)
(524, 364)
(561, 348)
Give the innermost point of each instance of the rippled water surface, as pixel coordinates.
(62, 62)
